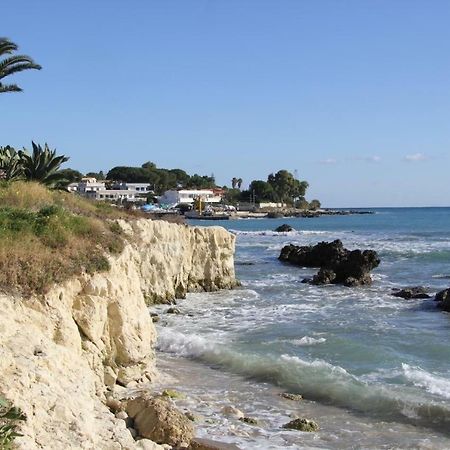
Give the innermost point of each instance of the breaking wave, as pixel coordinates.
(322, 381)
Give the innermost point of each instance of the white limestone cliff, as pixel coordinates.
(59, 353)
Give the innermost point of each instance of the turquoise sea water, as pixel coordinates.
(378, 362)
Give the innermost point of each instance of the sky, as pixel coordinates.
(352, 95)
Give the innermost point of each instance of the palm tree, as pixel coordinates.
(13, 64)
(43, 166)
(239, 183)
(233, 182)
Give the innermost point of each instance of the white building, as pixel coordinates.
(97, 190)
(112, 195)
(174, 197)
(90, 185)
(142, 188)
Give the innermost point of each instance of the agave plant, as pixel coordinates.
(43, 165)
(10, 164)
(13, 64)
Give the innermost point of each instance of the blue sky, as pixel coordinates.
(354, 95)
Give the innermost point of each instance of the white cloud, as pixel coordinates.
(415, 157)
(373, 158)
(328, 161)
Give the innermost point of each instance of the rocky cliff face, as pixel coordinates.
(59, 353)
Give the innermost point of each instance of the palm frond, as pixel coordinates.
(13, 64)
(9, 88)
(6, 46)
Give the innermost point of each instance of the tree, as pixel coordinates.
(239, 183)
(232, 196)
(149, 165)
(314, 204)
(201, 182)
(71, 175)
(262, 190)
(286, 187)
(302, 203)
(10, 164)
(128, 174)
(43, 166)
(233, 183)
(97, 175)
(181, 177)
(13, 64)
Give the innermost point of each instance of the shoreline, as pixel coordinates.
(208, 390)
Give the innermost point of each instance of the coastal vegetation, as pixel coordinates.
(50, 235)
(42, 165)
(160, 179)
(280, 187)
(11, 63)
(10, 417)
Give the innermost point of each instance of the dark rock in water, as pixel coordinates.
(290, 396)
(208, 444)
(284, 228)
(306, 280)
(337, 264)
(249, 420)
(302, 425)
(173, 311)
(324, 276)
(411, 293)
(244, 263)
(443, 297)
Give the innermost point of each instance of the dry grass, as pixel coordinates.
(48, 236)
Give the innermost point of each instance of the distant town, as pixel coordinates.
(157, 190)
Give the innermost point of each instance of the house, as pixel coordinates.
(175, 197)
(112, 195)
(99, 190)
(141, 188)
(88, 184)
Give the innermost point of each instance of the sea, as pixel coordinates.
(374, 370)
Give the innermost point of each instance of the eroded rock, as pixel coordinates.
(249, 420)
(443, 297)
(290, 396)
(231, 411)
(172, 393)
(337, 264)
(208, 444)
(302, 425)
(284, 228)
(411, 292)
(156, 418)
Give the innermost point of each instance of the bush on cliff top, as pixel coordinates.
(48, 236)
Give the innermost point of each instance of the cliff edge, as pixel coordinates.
(62, 351)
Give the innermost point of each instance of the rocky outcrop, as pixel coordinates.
(290, 396)
(337, 264)
(59, 353)
(208, 444)
(157, 419)
(304, 425)
(284, 228)
(411, 293)
(443, 297)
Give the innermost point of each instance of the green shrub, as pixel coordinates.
(10, 417)
(48, 236)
